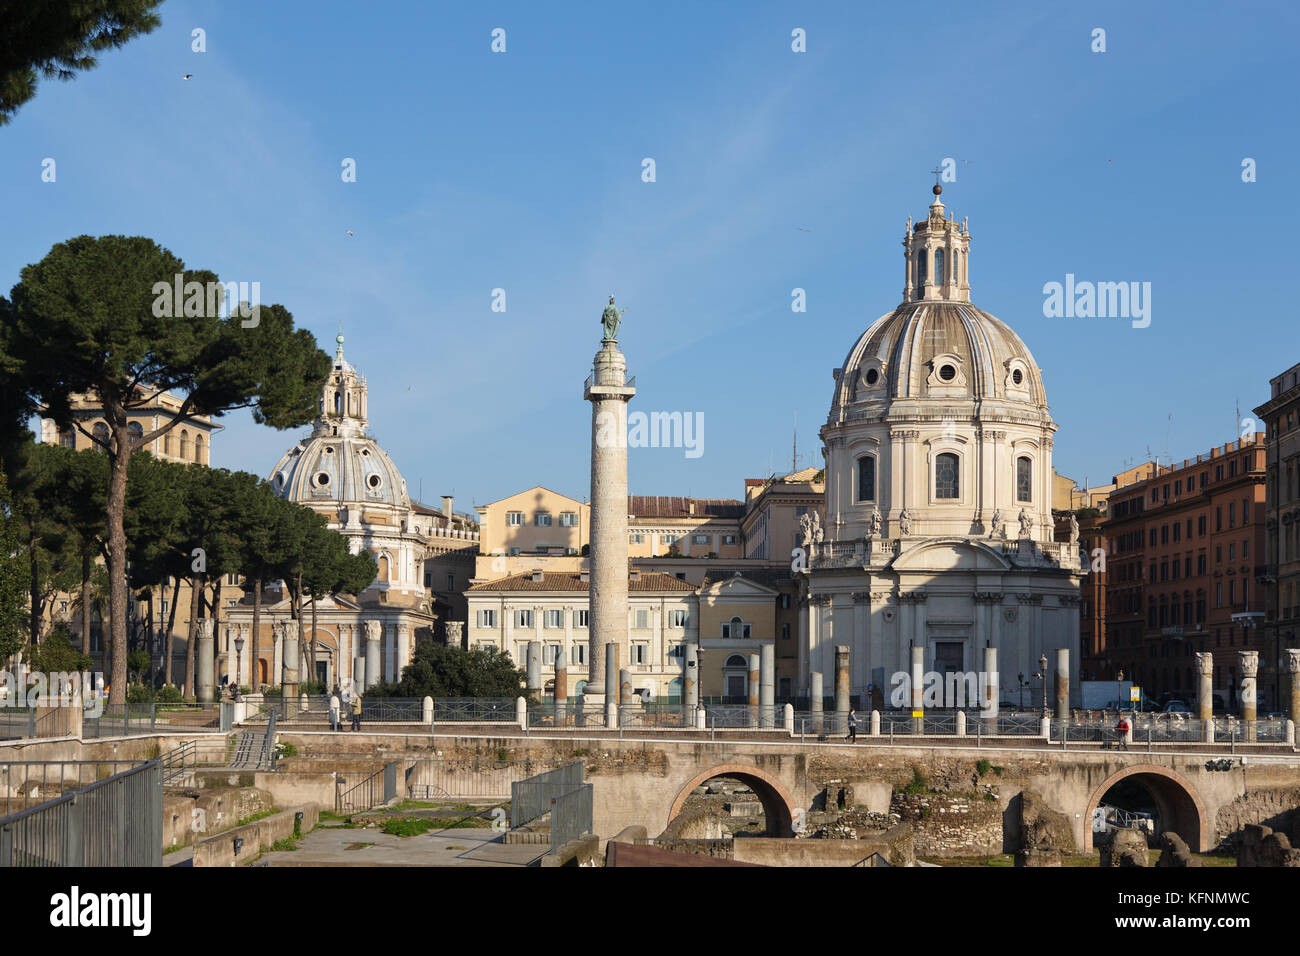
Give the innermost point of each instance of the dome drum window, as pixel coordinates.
(947, 477)
(1024, 478)
(867, 478)
(947, 371)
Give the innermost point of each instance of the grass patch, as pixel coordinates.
(255, 817)
(408, 827)
(173, 848)
(357, 846)
(282, 846)
(918, 784)
(983, 767)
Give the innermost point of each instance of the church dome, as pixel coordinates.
(940, 350)
(345, 470)
(340, 463)
(937, 344)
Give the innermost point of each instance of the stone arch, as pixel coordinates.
(1176, 799)
(778, 805)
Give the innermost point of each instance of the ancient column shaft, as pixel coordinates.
(842, 681)
(1293, 668)
(1205, 686)
(205, 664)
(1063, 683)
(691, 678)
(991, 682)
(608, 606)
(1249, 672)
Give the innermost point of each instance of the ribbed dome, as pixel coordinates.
(942, 350)
(348, 470)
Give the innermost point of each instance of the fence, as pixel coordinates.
(213, 751)
(532, 798)
(375, 789)
(116, 821)
(571, 815)
(470, 778)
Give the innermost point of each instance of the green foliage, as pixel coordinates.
(57, 38)
(13, 591)
(139, 693)
(918, 783)
(982, 767)
(284, 846)
(408, 826)
(286, 749)
(57, 653)
(440, 671)
(312, 688)
(169, 694)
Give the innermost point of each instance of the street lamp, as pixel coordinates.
(1119, 690)
(239, 663)
(1020, 684)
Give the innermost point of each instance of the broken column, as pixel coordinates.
(841, 687)
(752, 687)
(815, 692)
(1293, 668)
(205, 667)
(611, 684)
(990, 682)
(561, 698)
(918, 687)
(690, 678)
(625, 695)
(534, 672)
(767, 685)
(1249, 691)
(1205, 695)
(372, 653)
(1063, 683)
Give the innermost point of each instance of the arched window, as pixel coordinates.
(1024, 479)
(338, 403)
(198, 449)
(938, 267)
(946, 480)
(383, 567)
(185, 445)
(920, 272)
(134, 432)
(167, 443)
(68, 438)
(867, 478)
(101, 435)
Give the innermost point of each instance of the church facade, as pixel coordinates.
(937, 530)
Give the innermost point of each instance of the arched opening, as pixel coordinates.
(1147, 792)
(772, 816)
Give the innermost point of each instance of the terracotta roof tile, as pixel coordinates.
(668, 506)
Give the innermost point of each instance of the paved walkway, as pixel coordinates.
(370, 846)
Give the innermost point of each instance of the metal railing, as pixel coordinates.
(567, 716)
(468, 778)
(571, 815)
(376, 789)
(531, 798)
(116, 821)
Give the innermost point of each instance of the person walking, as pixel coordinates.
(335, 723)
(852, 735)
(1122, 730)
(356, 711)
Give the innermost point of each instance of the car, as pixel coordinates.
(1177, 707)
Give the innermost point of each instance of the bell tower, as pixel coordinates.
(936, 251)
(342, 401)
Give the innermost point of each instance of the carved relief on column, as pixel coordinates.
(1292, 660)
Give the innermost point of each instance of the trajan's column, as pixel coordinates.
(609, 390)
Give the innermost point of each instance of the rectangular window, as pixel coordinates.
(542, 519)
(700, 539)
(1178, 488)
(553, 619)
(549, 654)
(728, 539)
(451, 582)
(785, 632)
(1024, 482)
(1153, 537)
(867, 478)
(578, 654)
(580, 618)
(946, 484)
(1232, 552)
(428, 579)
(642, 618)
(1164, 534)
(1232, 514)
(487, 618)
(636, 538)
(676, 651)
(640, 652)
(1200, 526)
(1200, 564)
(514, 517)
(523, 618)
(568, 519)
(785, 601)
(677, 618)
(1177, 530)
(1245, 549)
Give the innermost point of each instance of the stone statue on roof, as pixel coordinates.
(611, 318)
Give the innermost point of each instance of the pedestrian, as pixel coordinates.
(335, 723)
(852, 735)
(356, 711)
(1122, 730)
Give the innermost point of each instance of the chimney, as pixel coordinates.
(584, 576)
(537, 574)
(634, 574)
(446, 506)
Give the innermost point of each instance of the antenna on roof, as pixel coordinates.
(794, 449)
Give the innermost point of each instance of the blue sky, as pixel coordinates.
(522, 171)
